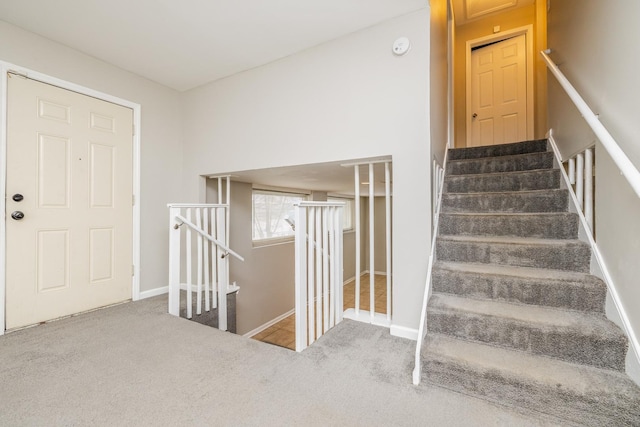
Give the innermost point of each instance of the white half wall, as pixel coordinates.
(346, 99)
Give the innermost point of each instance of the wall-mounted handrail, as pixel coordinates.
(628, 170)
(217, 242)
(438, 177)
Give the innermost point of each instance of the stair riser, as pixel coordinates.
(565, 344)
(549, 293)
(568, 257)
(560, 226)
(494, 165)
(498, 150)
(551, 201)
(519, 181)
(587, 409)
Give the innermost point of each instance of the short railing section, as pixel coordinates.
(438, 173)
(318, 270)
(199, 259)
(580, 169)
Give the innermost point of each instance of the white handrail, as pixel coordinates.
(622, 161)
(427, 288)
(197, 229)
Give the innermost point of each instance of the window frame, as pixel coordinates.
(267, 241)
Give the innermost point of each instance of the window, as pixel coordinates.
(274, 214)
(347, 213)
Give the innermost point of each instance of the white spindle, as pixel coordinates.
(339, 264)
(311, 275)
(318, 269)
(174, 263)
(572, 170)
(580, 180)
(223, 274)
(372, 253)
(301, 277)
(358, 271)
(588, 187)
(332, 269)
(387, 195)
(215, 255)
(199, 264)
(325, 269)
(189, 267)
(207, 244)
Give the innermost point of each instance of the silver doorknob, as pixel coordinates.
(17, 215)
(474, 115)
(17, 197)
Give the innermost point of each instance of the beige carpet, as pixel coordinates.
(134, 364)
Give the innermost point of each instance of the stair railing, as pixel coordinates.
(621, 160)
(627, 169)
(207, 223)
(436, 194)
(318, 270)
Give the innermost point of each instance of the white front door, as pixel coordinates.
(498, 93)
(69, 214)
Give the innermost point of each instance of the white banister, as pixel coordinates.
(436, 189)
(387, 197)
(628, 170)
(208, 223)
(318, 269)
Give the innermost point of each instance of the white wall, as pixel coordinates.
(349, 98)
(595, 45)
(160, 134)
(438, 78)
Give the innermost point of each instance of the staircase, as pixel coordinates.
(515, 317)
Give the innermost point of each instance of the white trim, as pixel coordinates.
(606, 277)
(5, 67)
(270, 323)
(153, 292)
(527, 30)
(404, 332)
(365, 316)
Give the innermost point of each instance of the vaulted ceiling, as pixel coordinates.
(187, 43)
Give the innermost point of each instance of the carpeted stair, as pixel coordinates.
(515, 317)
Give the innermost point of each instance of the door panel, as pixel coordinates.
(498, 93)
(70, 156)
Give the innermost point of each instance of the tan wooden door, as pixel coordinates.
(498, 93)
(70, 158)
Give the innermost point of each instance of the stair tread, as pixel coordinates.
(508, 214)
(529, 368)
(524, 147)
(471, 175)
(539, 316)
(505, 193)
(585, 279)
(511, 240)
(505, 157)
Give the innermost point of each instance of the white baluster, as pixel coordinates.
(339, 265)
(223, 282)
(318, 268)
(387, 192)
(300, 280)
(174, 263)
(372, 275)
(215, 256)
(588, 187)
(572, 170)
(325, 269)
(311, 212)
(206, 259)
(199, 264)
(332, 269)
(580, 180)
(189, 266)
(356, 169)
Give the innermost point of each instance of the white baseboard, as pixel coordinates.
(404, 332)
(154, 292)
(271, 322)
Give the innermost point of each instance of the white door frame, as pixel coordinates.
(528, 32)
(5, 67)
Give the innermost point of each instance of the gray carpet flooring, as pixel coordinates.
(133, 364)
